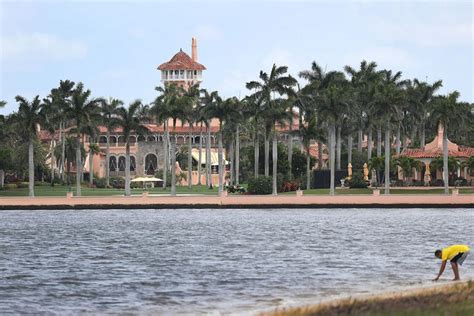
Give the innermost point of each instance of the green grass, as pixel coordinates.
(60, 190)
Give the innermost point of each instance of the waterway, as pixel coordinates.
(216, 261)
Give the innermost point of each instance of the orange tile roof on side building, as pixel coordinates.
(181, 61)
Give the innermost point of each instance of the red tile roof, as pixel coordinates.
(181, 61)
(463, 152)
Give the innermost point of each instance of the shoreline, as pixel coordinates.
(421, 299)
(244, 201)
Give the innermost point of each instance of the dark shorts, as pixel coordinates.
(460, 257)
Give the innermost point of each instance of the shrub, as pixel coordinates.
(460, 182)
(418, 183)
(289, 186)
(117, 182)
(10, 186)
(159, 174)
(357, 182)
(100, 183)
(437, 183)
(22, 185)
(260, 185)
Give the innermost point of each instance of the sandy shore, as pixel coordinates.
(454, 298)
(242, 201)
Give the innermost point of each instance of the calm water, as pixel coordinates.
(216, 261)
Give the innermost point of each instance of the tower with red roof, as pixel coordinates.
(181, 69)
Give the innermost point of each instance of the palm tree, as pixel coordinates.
(388, 99)
(55, 106)
(308, 133)
(70, 146)
(108, 109)
(407, 164)
(190, 116)
(208, 101)
(253, 110)
(94, 149)
(447, 112)
(426, 92)
(29, 117)
(218, 110)
(332, 104)
(275, 82)
(129, 121)
(83, 111)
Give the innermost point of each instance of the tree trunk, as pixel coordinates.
(256, 155)
(369, 144)
(53, 161)
(275, 162)
(445, 160)
(398, 144)
(200, 158)
(267, 154)
(31, 170)
(107, 160)
(359, 140)
(290, 153)
(78, 166)
(320, 155)
(332, 152)
(422, 135)
(208, 157)
(173, 164)
(2, 178)
(232, 162)
(165, 155)
(349, 149)
(91, 166)
(221, 164)
(338, 148)
(308, 169)
(127, 167)
(387, 159)
(237, 156)
(63, 152)
(379, 140)
(190, 159)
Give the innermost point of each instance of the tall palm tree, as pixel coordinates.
(219, 109)
(208, 101)
(190, 116)
(129, 121)
(332, 104)
(307, 133)
(83, 111)
(55, 106)
(447, 112)
(427, 93)
(277, 82)
(388, 100)
(108, 111)
(29, 117)
(253, 110)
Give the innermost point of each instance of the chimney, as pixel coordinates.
(194, 54)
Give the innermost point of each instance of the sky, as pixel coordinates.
(114, 47)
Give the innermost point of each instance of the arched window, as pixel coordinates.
(151, 163)
(121, 141)
(103, 140)
(113, 164)
(150, 138)
(141, 138)
(113, 141)
(121, 163)
(133, 164)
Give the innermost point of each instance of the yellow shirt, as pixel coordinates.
(450, 252)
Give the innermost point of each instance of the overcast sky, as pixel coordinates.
(114, 47)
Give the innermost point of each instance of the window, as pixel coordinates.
(112, 164)
(181, 74)
(121, 163)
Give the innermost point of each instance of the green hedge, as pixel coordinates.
(260, 185)
(358, 182)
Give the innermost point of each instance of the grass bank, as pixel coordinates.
(382, 191)
(61, 190)
(439, 300)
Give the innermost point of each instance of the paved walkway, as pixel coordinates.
(241, 201)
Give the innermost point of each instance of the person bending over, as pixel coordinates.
(456, 254)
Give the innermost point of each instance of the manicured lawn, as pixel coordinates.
(59, 190)
(392, 191)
